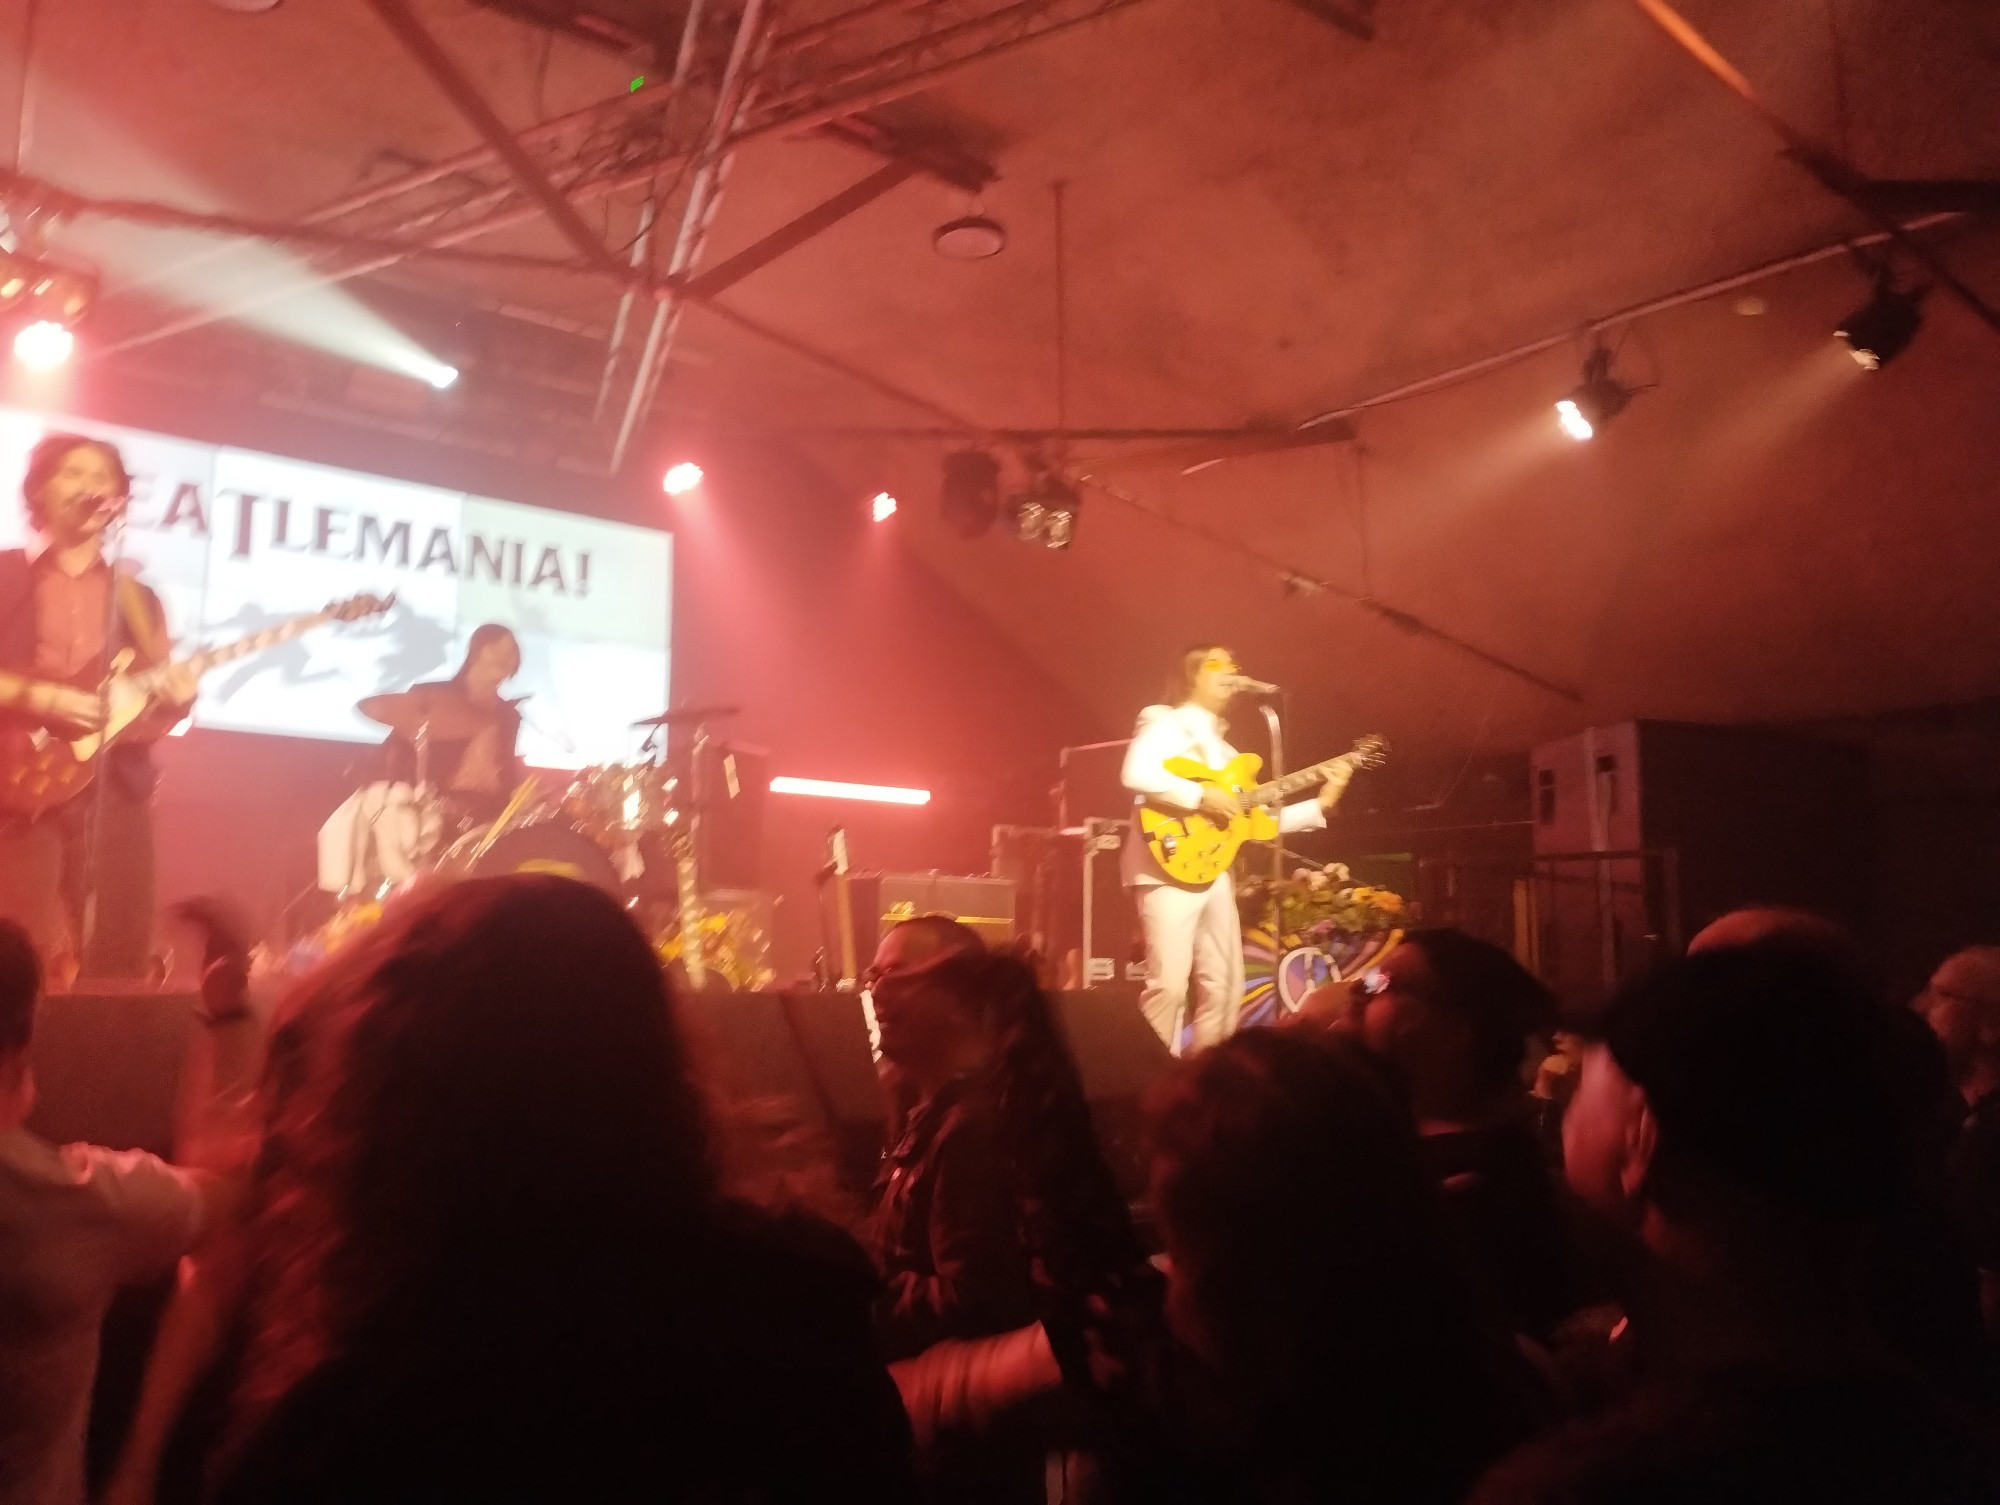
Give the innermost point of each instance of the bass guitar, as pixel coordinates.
(41, 768)
(1195, 848)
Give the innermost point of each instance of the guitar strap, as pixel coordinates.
(142, 625)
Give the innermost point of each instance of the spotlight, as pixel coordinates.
(1046, 512)
(1600, 398)
(971, 494)
(681, 479)
(43, 345)
(1877, 331)
(883, 507)
(441, 376)
(42, 302)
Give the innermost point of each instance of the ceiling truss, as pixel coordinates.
(667, 143)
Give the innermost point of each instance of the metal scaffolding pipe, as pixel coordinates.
(469, 102)
(812, 116)
(642, 247)
(704, 194)
(505, 220)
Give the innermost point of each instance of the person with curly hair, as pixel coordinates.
(491, 1256)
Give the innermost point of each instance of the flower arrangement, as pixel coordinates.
(1318, 902)
(733, 947)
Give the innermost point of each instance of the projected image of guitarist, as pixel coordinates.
(1196, 801)
(85, 895)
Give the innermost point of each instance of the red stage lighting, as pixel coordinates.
(883, 507)
(681, 479)
(43, 345)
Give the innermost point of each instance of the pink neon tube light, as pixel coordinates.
(833, 789)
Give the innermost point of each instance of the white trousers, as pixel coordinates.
(1191, 933)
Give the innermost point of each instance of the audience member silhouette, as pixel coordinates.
(491, 1258)
(1334, 1338)
(996, 1210)
(1453, 1015)
(79, 1221)
(1961, 1003)
(1743, 1123)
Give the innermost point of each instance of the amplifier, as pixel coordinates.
(880, 900)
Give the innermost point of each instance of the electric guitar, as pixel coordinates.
(1194, 848)
(41, 768)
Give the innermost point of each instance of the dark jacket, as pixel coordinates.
(131, 761)
(741, 1372)
(947, 1234)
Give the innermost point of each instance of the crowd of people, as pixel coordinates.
(464, 1219)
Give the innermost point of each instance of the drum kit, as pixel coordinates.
(627, 828)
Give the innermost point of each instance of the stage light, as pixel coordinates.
(1600, 398)
(682, 478)
(883, 507)
(441, 376)
(1877, 332)
(1046, 512)
(43, 345)
(833, 789)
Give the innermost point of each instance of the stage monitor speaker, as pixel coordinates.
(809, 1051)
(806, 1051)
(108, 1067)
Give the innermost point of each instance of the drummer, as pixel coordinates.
(469, 728)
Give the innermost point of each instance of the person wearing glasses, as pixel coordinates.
(1193, 935)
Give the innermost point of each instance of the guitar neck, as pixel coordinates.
(1277, 791)
(199, 663)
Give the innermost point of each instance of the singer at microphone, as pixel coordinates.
(78, 873)
(1194, 943)
(1243, 684)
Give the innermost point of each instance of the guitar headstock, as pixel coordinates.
(1371, 751)
(354, 608)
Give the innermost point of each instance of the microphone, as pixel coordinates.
(1243, 684)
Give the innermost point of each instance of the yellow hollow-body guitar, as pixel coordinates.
(1193, 848)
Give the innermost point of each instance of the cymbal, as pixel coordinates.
(691, 713)
(449, 717)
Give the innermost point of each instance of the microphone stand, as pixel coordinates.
(1278, 846)
(93, 841)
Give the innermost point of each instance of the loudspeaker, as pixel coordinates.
(108, 1067)
(1702, 819)
(733, 781)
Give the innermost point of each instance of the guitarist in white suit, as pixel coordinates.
(1193, 932)
(63, 615)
